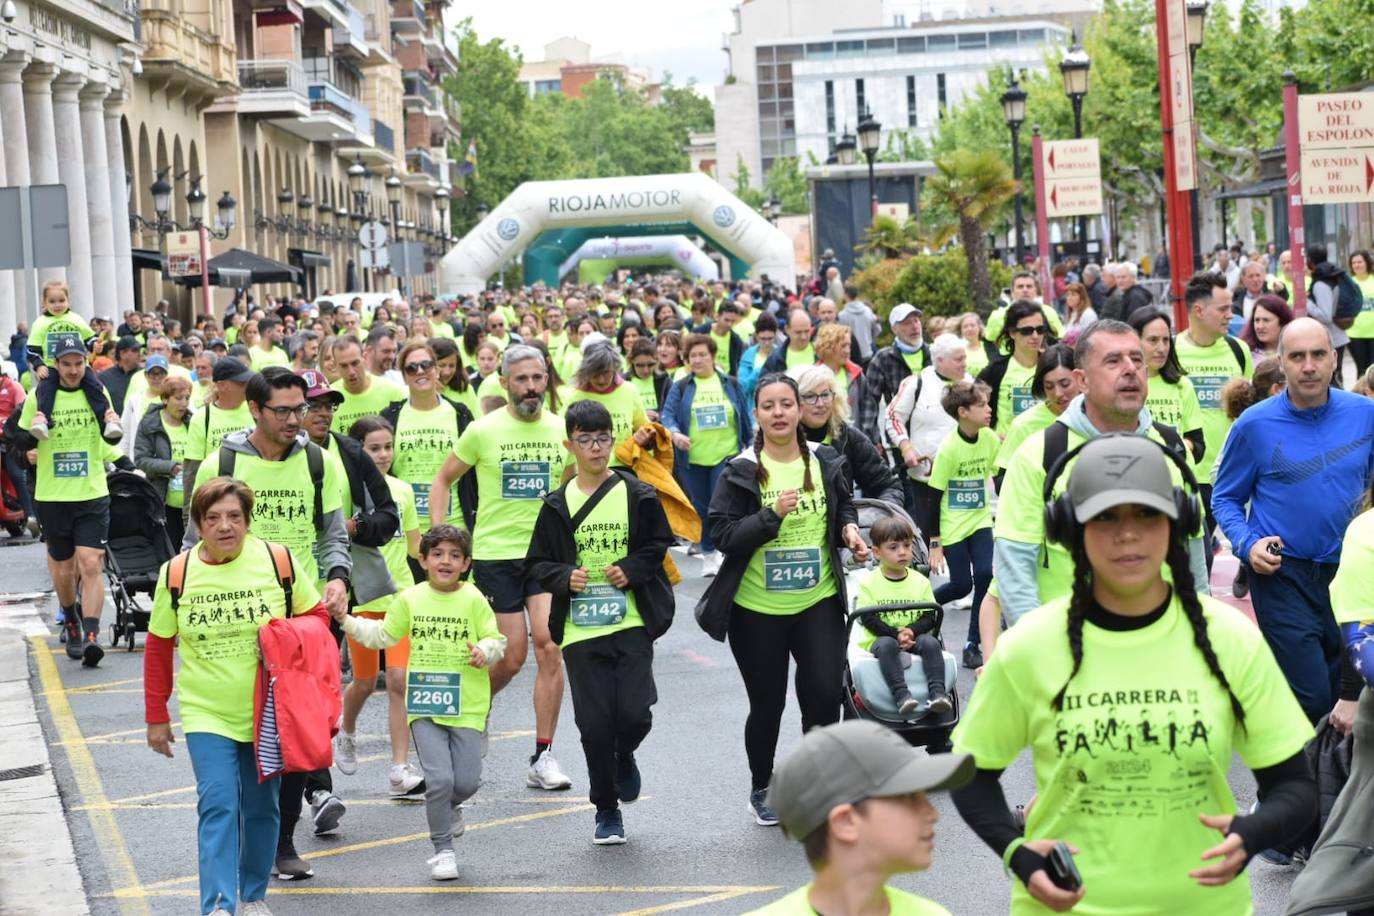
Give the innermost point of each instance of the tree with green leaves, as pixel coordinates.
(971, 188)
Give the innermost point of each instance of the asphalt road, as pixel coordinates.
(692, 846)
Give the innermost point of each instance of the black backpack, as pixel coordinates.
(1349, 299)
(314, 457)
(1057, 443)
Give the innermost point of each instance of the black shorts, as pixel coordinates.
(67, 526)
(505, 583)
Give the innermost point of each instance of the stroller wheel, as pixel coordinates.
(940, 745)
(114, 635)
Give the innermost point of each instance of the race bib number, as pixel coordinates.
(792, 570)
(421, 491)
(1208, 388)
(598, 606)
(524, 479)
(1021, 399)
(69, 464)
(174, 484)
(711, 416)
(966, 494)
(1367, 305)
(432, 693)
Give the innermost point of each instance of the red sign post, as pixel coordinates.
(1042, 219)
(1175, 118)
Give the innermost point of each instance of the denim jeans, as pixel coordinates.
(701, 483)
(1293, 608)
(237, 832)
(970, 567)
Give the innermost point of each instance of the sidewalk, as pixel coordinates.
(38, 871)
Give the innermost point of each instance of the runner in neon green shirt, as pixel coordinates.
(1361, 333)
(1024, 338)
(1054, 387)
(363, 392)
(427, 429)
(1171, 398)
(598, 379)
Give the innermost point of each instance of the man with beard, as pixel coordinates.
(1111, 372)
(517, 453)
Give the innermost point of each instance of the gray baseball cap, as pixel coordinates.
(848, 762)
(1117, 470)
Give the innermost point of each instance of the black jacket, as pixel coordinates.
(553, 555)
(863, 466)
(153, 449)
(467, 484)
(740, 525)
(116, 382)
(1122, 306)
(377, 527)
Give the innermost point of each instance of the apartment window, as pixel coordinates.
(936, 43)
(973, 41)
(542, 86)
(859, 105)
(918, 45)
(911, 101)
(940, 93)
(830, 109)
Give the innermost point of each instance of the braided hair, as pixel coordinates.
(760, 472)
(1081, 599)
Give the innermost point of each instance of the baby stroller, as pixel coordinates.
(135, 549)
(866, 694)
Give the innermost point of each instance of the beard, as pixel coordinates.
(529, 406)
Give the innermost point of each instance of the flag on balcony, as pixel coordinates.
(470, 161)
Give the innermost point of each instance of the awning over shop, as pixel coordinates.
(148, 259)
(306, 259)
(244, 268)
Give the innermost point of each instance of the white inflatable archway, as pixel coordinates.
(678, 248)
(539, 205)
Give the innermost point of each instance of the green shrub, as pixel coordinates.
(938, 284)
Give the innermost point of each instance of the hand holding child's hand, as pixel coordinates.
(477, 657)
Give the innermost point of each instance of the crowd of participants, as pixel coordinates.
(455, 482)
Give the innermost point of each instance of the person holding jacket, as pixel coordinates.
(160, 449)
(825, 419)
(781, 591)
(707, 416)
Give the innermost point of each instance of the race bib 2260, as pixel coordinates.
(432, 693)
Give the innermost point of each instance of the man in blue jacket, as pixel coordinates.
(1303, 460)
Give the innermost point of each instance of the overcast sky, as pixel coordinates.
(682, 37)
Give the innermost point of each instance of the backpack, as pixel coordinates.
(281, 562)
(314, 457)
(1349, 300)
(1057, 443)
(1236, 351)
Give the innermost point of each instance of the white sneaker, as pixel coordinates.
(39, 429)
(404, 779)
(443, 866)
(346, 753)
(459, 827)
(254, 908)
(114, 431)
(546, 774)
(710, 564)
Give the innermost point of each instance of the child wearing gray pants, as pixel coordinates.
(452, 762)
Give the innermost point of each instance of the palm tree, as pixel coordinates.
(972, 188)
(887, 238)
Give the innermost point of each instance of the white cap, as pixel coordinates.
(902, 312)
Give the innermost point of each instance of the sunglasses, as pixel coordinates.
(1039, 329)
(423, 365)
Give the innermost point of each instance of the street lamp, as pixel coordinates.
(304, 206)
(161, 190)
(441, 204)
(870, 134)
(357, 183)
(1074, 68)
(393, 197)
(482, 210)
(1014, 111)
(224, 216)
(774, 209)
(1197, 18)
(845, 148)
(195, 203)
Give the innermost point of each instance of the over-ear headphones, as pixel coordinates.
(1060, 523)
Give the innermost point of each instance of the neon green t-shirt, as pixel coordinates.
(424, 438)
(284, 500)
(46, 328)
(1141, 747)
(379, 395)
(177, 435)
(261, 358)
(515, 462)
(138, 382)
(899, 903)
(1175, 405)
(440, 625)
(570, 361)
(723, 350)
(626, 409)
(961, 473)
(491, 388)
(1014, 395)
(209, 425)
(1352, 591)
(1364, 321)
(648, 395)
(394, 551)
(467, 397)
(977, 358)
(744, 327)
(500, 343)
(222, 606)
(875, 589)
(71, 461)
(1023, 427)
(792, 572)
(1209, 369)
(803, 357)
(603, 539)
(914, 361)
(440, 329)
(712, 426)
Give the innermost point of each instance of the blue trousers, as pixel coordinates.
(701, 483)
(1293, 607)
(970, 567)
(236, 836)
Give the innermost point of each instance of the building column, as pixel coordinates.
(117, 169)
(38, 113)
(104, 269)
(71, 171)
(16, 153)
(9, 316)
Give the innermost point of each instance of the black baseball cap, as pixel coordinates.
(127, 342)
(230, 369)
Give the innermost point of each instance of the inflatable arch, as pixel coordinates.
(693, 197)
(677, 250)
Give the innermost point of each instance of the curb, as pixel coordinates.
(38, 870)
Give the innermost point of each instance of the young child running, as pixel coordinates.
(598, 548)
(56, 319)
(453, 641)
(378, 442)
(889, 634)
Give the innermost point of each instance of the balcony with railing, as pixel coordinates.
(272, 87)
(334, 116)
(408, 17)
(441, 49)
(424, 171)
(334, 12)
(351, 41)
(418, 91)
(384, 136)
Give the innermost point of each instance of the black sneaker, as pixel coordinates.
(291, 867)
(973, 657)
(627, 781)
(610, 828)
(764, 816)
(91, 652)
(1240, 585)
(327, 810)
(71, 629)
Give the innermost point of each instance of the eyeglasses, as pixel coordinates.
(1038, 329)
(322, 406)
(817, 397)
(646, 365)
(284, 413)
(593, 442)
(423, 365)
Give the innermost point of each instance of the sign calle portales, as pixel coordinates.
(1071, 170)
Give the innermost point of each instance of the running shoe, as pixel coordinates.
(91, 652)
(291, 867)
(326, 809)
(71, 630)
(114, 431)
(627, 780)
(39, 429)
(906, 703)
(973, 657)
(254, 908)
(939, 706)
(443, 866)
(405, 779)
(710, 563)
(610, 828)
(546, 774)
(764, 816)
(346, 753)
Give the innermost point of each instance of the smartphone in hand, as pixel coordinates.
(1059, 866)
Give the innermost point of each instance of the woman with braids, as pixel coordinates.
(1132, 695)
(780, 514)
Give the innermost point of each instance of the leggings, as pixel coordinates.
(1362, 349)
(761, 644)
(970, 567)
